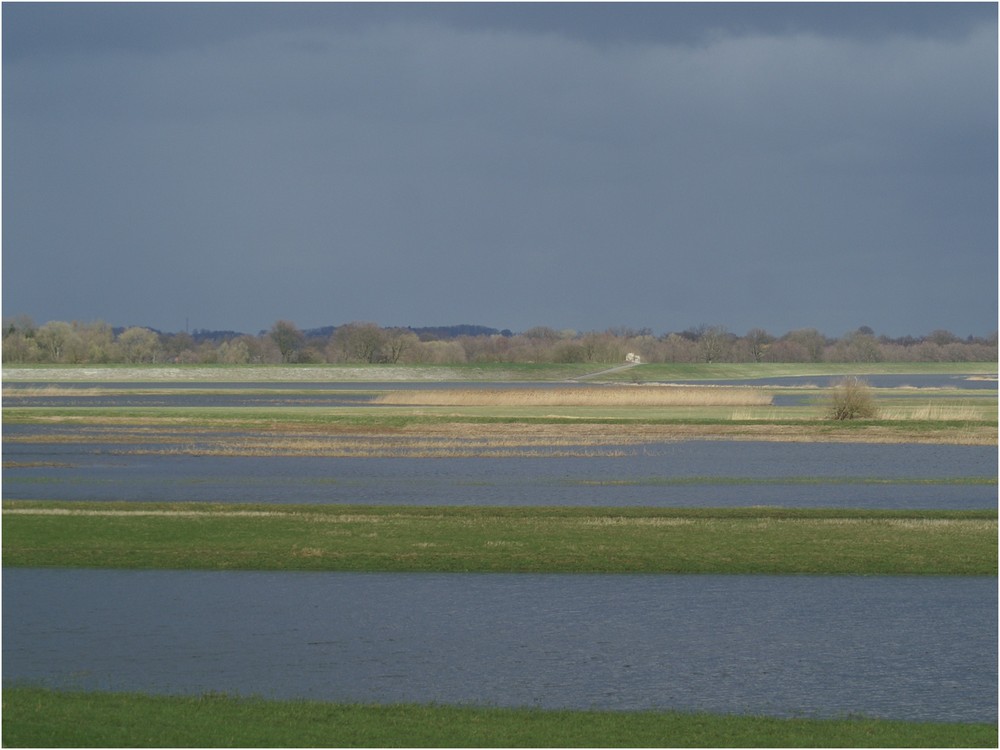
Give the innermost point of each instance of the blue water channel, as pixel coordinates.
(912, 648)
(694, 473)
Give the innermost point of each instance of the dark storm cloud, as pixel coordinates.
(58, 28)
(578, 166)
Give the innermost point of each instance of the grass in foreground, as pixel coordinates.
(499, 539)
(36, 717)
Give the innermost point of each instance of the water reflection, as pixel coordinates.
(915, 648)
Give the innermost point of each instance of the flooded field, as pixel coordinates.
(695, 473)
(521, 462)
(914, 648)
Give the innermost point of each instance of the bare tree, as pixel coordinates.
(757, 340)
(288, 338)
(714, 342)
(855, 347)
(396, 341)
(809, 339)
(360, 342)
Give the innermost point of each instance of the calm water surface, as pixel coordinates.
(706, 473)
(915, 648)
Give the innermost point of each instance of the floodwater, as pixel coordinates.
(912, 648)
(695, 473)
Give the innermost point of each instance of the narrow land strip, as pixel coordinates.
(499, 539)
(358, 433)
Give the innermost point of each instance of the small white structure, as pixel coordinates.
(634, 359)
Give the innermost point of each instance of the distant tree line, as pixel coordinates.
(60, 342)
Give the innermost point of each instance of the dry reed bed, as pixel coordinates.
(605, 396)
(936, 412)
(56, 390)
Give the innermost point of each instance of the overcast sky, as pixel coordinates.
(578, 166)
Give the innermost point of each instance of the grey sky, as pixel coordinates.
(571, 165)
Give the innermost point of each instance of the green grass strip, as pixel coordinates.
(499, 539)
(36, 717)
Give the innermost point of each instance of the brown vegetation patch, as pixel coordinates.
(580, 440)
(607, 396)
(48, 391)
(308, 552)
(638, 521)
(131, 513)
(35, 465)
(461, 439)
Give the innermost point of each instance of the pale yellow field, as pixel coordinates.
(610, 396)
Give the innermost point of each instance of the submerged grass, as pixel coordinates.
(39, 717)
(499, 539)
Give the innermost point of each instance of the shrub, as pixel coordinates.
(852, 399)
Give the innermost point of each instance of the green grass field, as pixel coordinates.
(499, 539)
(35, 717)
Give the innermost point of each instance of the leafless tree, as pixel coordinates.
(288, 338)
